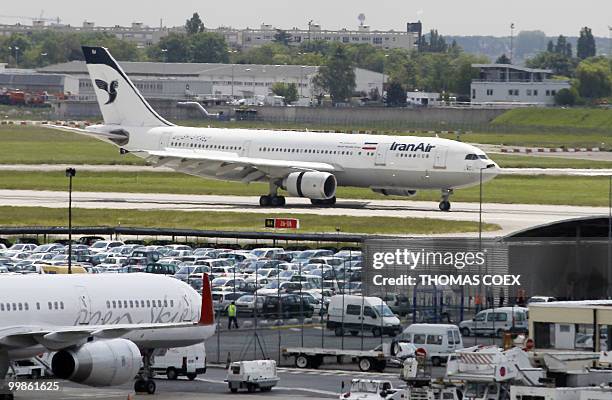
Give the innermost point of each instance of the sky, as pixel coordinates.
(450, 17)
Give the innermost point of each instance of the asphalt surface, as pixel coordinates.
(511, 217)
(293, 384)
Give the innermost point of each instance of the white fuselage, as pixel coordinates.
(51, 302)
(370, 161)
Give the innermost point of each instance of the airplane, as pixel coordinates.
(304, 164)
(103, 328)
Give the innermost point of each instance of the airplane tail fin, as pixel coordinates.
(120, 102)
(207, 313)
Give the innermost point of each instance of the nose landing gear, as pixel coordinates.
(445, 204)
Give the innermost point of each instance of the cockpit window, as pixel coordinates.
(476, 157)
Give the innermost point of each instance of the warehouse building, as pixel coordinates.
(229, 81)
(34, 82)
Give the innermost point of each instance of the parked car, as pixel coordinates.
(348, 313)
(291, 306)
(496, 321)
(104, 245)
(245, 304)
(222, 299)
(438, 340)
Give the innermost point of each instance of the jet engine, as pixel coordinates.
(395, 191)
(311, 184)
(99, 363)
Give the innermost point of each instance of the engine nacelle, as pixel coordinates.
(100, 363)
(311, 184)
(395, 192)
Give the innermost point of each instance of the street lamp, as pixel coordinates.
(70, 173)
(165, 52)
(382, 88)
(16, 51)
(233, 65)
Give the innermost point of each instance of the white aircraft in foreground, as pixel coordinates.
(104, 328)
(305, 164)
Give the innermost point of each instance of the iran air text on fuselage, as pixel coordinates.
(424, 147)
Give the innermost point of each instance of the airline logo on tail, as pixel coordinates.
(110, 89)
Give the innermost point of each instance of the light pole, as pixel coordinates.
(165, 53)
(70, 173)
(233, 65)
(511, 41)
(15, 49)
(382, 88)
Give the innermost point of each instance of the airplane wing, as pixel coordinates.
(231, 165)
(62, 337)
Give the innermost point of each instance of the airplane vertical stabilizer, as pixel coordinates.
(120, 102)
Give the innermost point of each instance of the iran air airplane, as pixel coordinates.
(303, 164)
(103, 328)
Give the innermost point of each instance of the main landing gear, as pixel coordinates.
(4, 367)
(324, 202)
(272, 199)
(144, 381)
(445, 205)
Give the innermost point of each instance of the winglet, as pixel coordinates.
(207, 315)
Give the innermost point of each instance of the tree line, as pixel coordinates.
(437, 66)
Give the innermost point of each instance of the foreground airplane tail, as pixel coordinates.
(207, 313)
(120, 102)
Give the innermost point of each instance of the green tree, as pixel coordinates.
(172, 48)
(435, 43)
(287, 90)
(586, 44)
(337, 76)
(560, 64)
(550, 47)
(396, 95)
(194, 24)
(594, 78)
(566, 97)
(282, 37)
(503, 59)
(208, 47)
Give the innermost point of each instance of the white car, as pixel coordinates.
(267, 252)
(104, 245)
(19, 247)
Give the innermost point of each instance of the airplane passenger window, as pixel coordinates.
(171, 303)
(159, 303)
(131, 304)
(61, 305)
(49, 304)
(165, 303)
(142, 303)
(1, 306)
(136, 303)
(125, 304)
(20, 306)
(55, 305)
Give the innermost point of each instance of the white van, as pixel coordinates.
(496, 321)
(345, 313)
(438, 340)
(188, 361)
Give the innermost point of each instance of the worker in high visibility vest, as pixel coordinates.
(231, 314)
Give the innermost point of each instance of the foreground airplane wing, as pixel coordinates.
(62, 337)
(247, 169)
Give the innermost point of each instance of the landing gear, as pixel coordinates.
(324, 202)
(4, 367)
(144, 381)
(272, 199)
(445, 205)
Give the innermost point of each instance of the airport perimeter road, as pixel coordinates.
(511, 217)
(294, 384)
